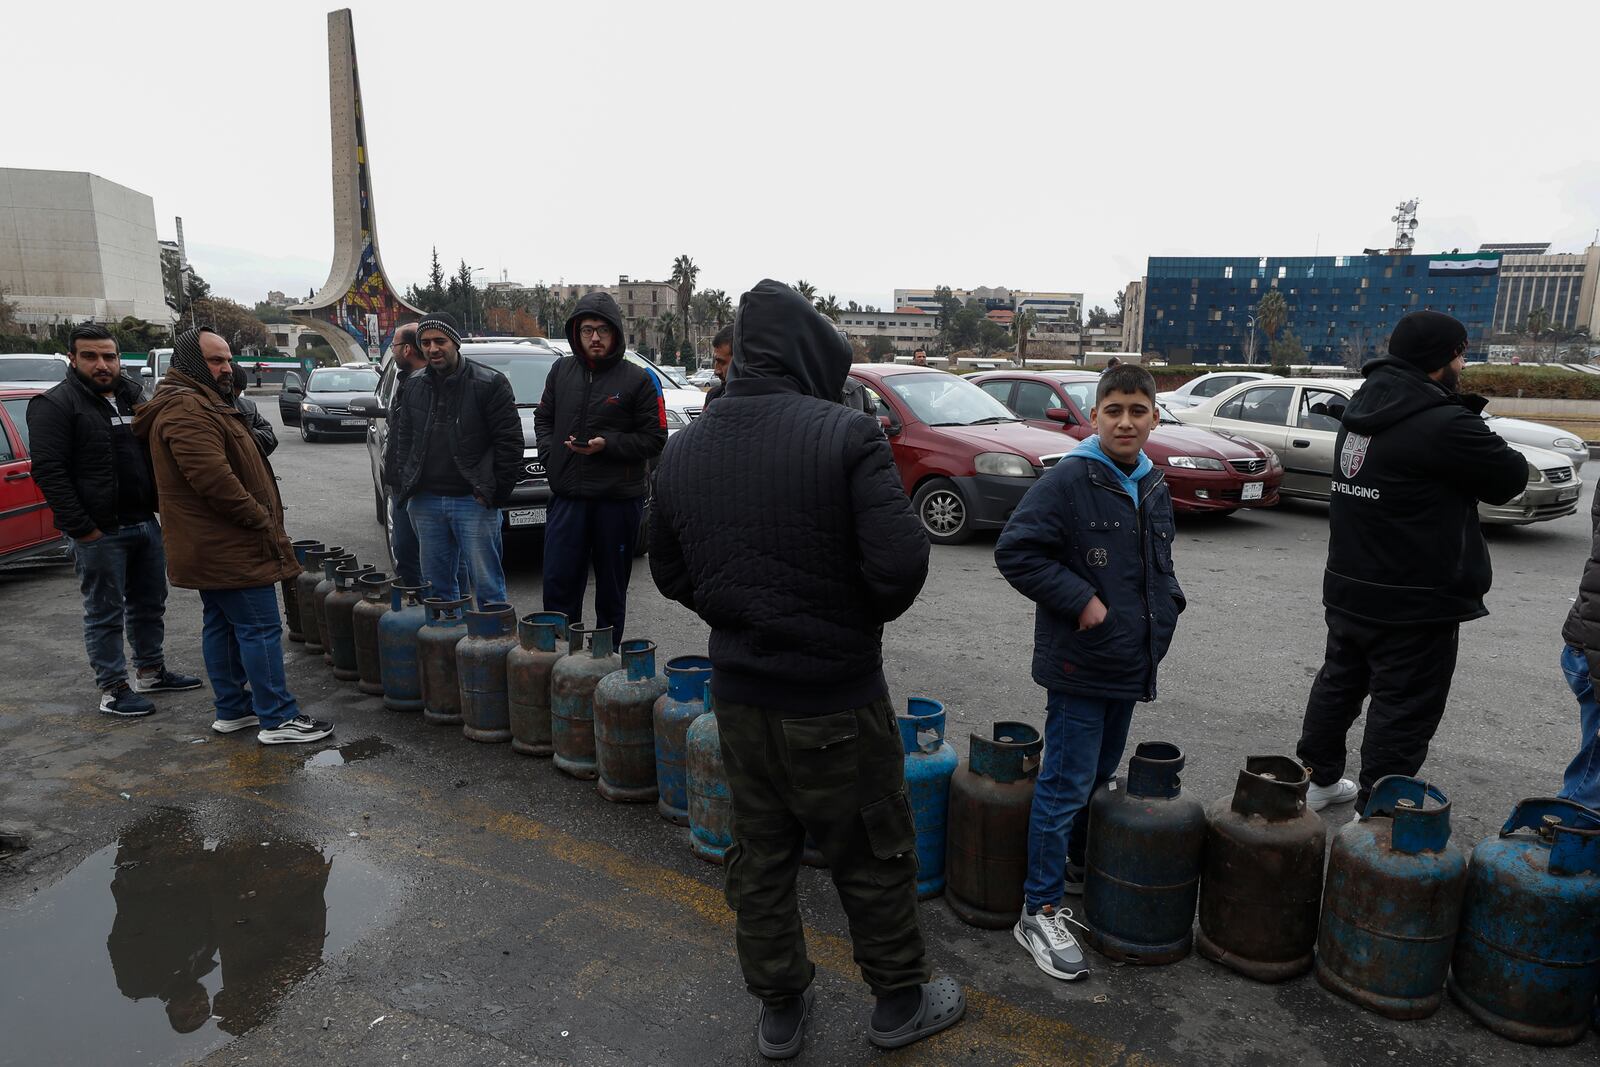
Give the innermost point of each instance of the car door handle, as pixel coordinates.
(1301, 442)
(17, 476)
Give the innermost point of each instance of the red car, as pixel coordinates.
(964, 459)
(1206, 471)
(27, 525)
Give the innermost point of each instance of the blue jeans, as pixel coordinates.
(403, 546)
(1083, 742)
(453, 531)
(1582, 780)
(243, 643)
(123, 576)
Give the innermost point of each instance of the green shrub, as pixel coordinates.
(1545, 383)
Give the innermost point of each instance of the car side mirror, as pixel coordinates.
(1060, 415)
(368, 407)
(890, 427)
(146, 372)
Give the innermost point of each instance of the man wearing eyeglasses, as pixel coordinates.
(601, 422)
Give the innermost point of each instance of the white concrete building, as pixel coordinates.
(1565, 285)
(1054, 313)
(909, 328)
(74, 246)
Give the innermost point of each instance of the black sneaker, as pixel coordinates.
(121, 702)
(1074, 883)
(164, 681)
(298, 730)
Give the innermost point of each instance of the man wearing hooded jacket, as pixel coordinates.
(599, 424)
(797, 573)
(1407, 563)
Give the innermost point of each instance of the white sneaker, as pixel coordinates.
(1341, 792)
(1054, 949)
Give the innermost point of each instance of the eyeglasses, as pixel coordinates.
(602, 332)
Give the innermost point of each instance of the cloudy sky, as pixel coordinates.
(861, 146)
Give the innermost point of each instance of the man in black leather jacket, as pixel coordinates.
(260, 428)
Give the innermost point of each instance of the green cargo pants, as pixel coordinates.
(840, 778)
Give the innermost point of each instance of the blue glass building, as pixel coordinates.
(1198, 309)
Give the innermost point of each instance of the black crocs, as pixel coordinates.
(943, 1005)
(786, 1049)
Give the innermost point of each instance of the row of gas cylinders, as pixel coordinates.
(1516, 931)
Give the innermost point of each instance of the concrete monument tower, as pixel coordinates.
(356, 310)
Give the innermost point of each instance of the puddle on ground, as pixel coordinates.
(167, 945)
(350, 752)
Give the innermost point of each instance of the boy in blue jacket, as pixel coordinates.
(1091, 546)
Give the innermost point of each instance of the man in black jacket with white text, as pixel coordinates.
(1407, 563)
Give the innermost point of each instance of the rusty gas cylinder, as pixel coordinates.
(680, 705)
(291, 590)
(710, 801)
(624, 732)
(572, 683)
(541, 641)
(399, 667)
(1262, 889)
(481, 667)
(305, 587)
(364, 619)
(338, 620)
(319, 599)
(436, 652)
(991, 796)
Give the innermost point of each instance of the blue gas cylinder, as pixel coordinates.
(680, 705)
(1392, 902)
(1527, 962)
(710, 800)
(1143, 862)
(398, 666)
(930, 761)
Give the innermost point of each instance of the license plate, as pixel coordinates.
(1252, 491)
(352, 422)
(525, 516)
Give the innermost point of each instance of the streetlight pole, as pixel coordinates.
(1250, 353)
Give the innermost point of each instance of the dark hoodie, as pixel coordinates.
(779, 519)
(610, 398)
(1410, 465)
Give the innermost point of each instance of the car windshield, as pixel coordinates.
(526, 371)
(940, 399)
(24, 369)
(343, 381)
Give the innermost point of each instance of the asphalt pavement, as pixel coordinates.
(402, 894)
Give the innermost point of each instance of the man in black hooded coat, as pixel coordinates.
(797, 572)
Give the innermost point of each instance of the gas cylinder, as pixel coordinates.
(680, 705)
(338, 620)
(1392, 901)
(319, 598)
(304, 589)
(1527, 962)
(291, 590)
(542, 638)
(399, 669)
(481, 666)
(930, 761)
(572, 685)
(986, 854)
(1262, 886)
(1142, 867)
(436, 652)
(710, 803)
(624, 731)
(364, 617)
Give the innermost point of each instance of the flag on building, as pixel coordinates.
(1465, 265)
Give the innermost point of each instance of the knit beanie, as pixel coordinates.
(1427, 340)
(439, 320)
(187, 360)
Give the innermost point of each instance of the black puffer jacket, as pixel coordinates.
(1410, 464)
(74, 461)
(1582, 628)
(798, 570)
(614, 399)
(485, 432)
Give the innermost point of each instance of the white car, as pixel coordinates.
(683, 404)
(1537, 434)
(1198, 390)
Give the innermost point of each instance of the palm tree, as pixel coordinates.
(684, 275)
(806, 289)
(829, 306)
(667, 333)
(1538, 322)
(1023, 325)
(720, 306)
(1271, 315)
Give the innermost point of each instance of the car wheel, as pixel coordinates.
(943, 512)
(307, 435)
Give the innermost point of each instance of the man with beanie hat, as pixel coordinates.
(599, 424)
(1407, 563)
(223, 520)
(797, 572)
(455, 453)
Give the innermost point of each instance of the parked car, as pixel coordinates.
(320, 404)
(1199, 390)
(32, 370)
(28, 531)
(964, 459)
(703, 379)
(1206, 471)
(155, 365)
(1537, 434)
(1299, 419)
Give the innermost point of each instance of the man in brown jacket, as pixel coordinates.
(223, 521)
